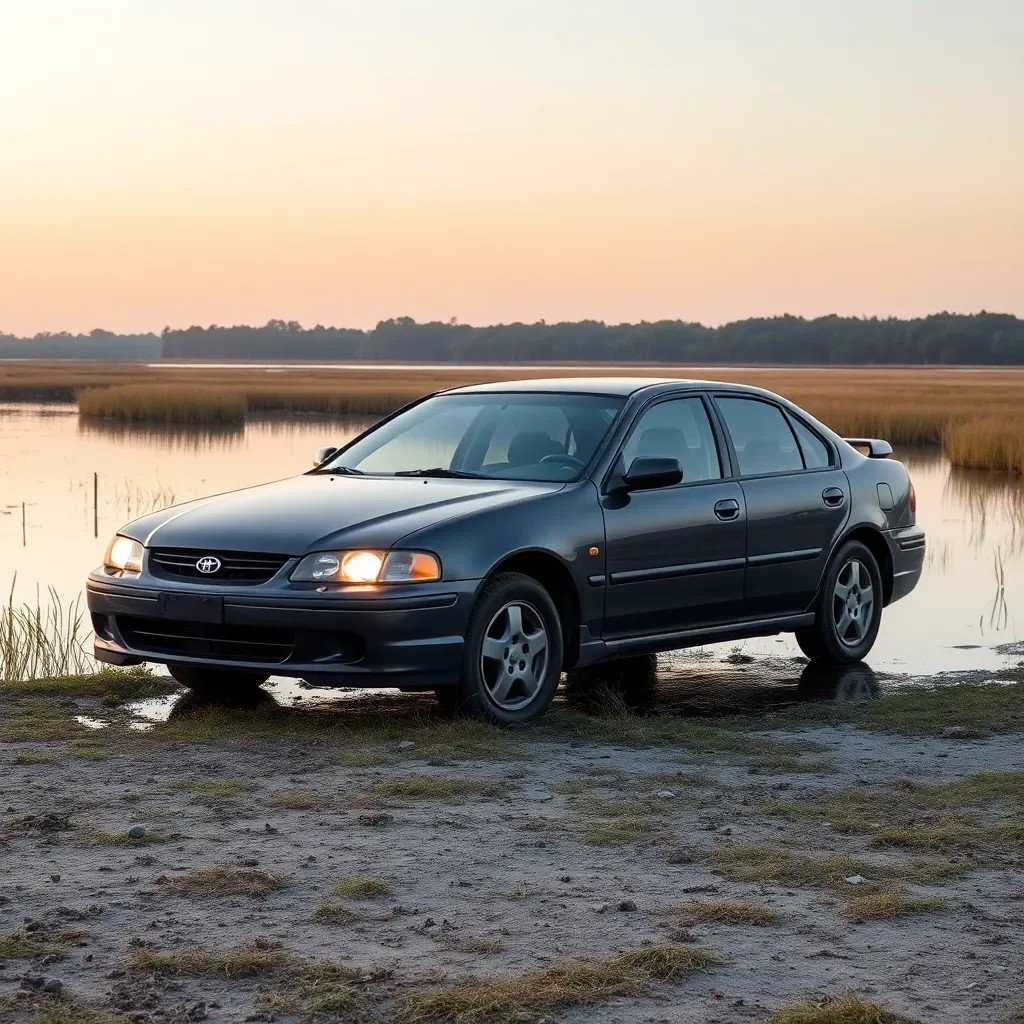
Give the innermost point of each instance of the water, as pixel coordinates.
(966, 606)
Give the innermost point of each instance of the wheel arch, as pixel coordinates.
(873, 540)
(555, 577)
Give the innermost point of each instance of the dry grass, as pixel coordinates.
(917, 405)
(210, 790)
(331, 912)
(225, 880)
(362, 887)
(434, 787)
(889, 903)
(570, 983)
(974, 709)
(841, 1009)
(723, 912)
(975, 817)
(22, 946)
(763, 862)
(64, 1012)
(195, 961)
(298, 800)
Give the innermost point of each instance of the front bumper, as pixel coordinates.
(406, 636)
(907, 549)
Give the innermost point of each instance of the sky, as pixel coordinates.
(176, 162)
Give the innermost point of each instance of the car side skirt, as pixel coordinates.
(600, 650)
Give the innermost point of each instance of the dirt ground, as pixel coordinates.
(360, 861)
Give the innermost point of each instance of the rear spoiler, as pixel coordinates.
(877, 448)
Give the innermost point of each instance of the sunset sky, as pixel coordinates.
(199, 161)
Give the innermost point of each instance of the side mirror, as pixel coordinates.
(647, 473)
(322, 455)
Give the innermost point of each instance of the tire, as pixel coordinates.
(848, 609)
(503, 680)
(217, 682)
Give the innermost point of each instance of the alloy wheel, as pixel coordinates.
(853, 602)
(514, 656)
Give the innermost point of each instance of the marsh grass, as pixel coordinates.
(124, 684)
(103, 837)
(573, 982)
(435, 788)
(362, 887)
(211, 790)
(23, 946)
(298, 800)
(723, 912)
(914, 405)
(765, 862)
(197, 961)
(890, 903)
(225, 880)
(333, 912)
(846, 1008)
(973, 709)
(953, 818)
(43, 640)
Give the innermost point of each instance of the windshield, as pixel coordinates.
(508, 436)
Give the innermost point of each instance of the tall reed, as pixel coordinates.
(989, 442)
(162, 403)
(43, 641)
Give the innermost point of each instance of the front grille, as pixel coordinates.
(206, 640)
(236, 566)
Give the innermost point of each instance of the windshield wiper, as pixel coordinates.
(439, 472)
(343, 470)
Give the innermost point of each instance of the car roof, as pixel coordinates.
(619, 386)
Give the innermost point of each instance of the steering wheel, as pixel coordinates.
(565, 460)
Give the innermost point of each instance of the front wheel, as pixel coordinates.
(848, 610)
(513, 653)
(217, 682)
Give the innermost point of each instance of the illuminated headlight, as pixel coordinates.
(124, 555)
(367, 567)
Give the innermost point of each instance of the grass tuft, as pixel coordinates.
(332, 912)
(362, 887)
(20, 946)
(195, 961)
(434, 787)
(570, 983)
(204, 790)
(841, 1009)
(889, 903)
(225, 880)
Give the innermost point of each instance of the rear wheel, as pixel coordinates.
(513, 653)
(848, 610)
(217, 682)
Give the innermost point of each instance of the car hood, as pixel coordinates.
(322, 511)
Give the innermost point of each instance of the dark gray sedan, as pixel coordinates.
(482, 540)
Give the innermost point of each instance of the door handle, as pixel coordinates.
(727, 509)
(833, 497)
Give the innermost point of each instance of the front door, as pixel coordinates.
(675, 554)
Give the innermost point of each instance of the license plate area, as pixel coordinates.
(192, 608)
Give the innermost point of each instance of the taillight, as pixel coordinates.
(913, 505)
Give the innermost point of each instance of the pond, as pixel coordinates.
(962, 616)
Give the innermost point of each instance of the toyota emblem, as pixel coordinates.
(208, 564)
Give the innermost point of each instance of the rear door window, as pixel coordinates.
(760, 436)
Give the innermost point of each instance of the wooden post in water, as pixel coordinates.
(23, 543)
(95, 504)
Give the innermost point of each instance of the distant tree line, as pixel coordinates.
(982, 338)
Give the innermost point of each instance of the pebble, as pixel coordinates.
(855, 879)
(53, 985)
(406, 744)
(136, 832)
(665, 794)
(626, 906)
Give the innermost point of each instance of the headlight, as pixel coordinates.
(367, 567)
(124, 555)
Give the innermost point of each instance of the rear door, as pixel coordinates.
(797, 500)
(675, 554)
